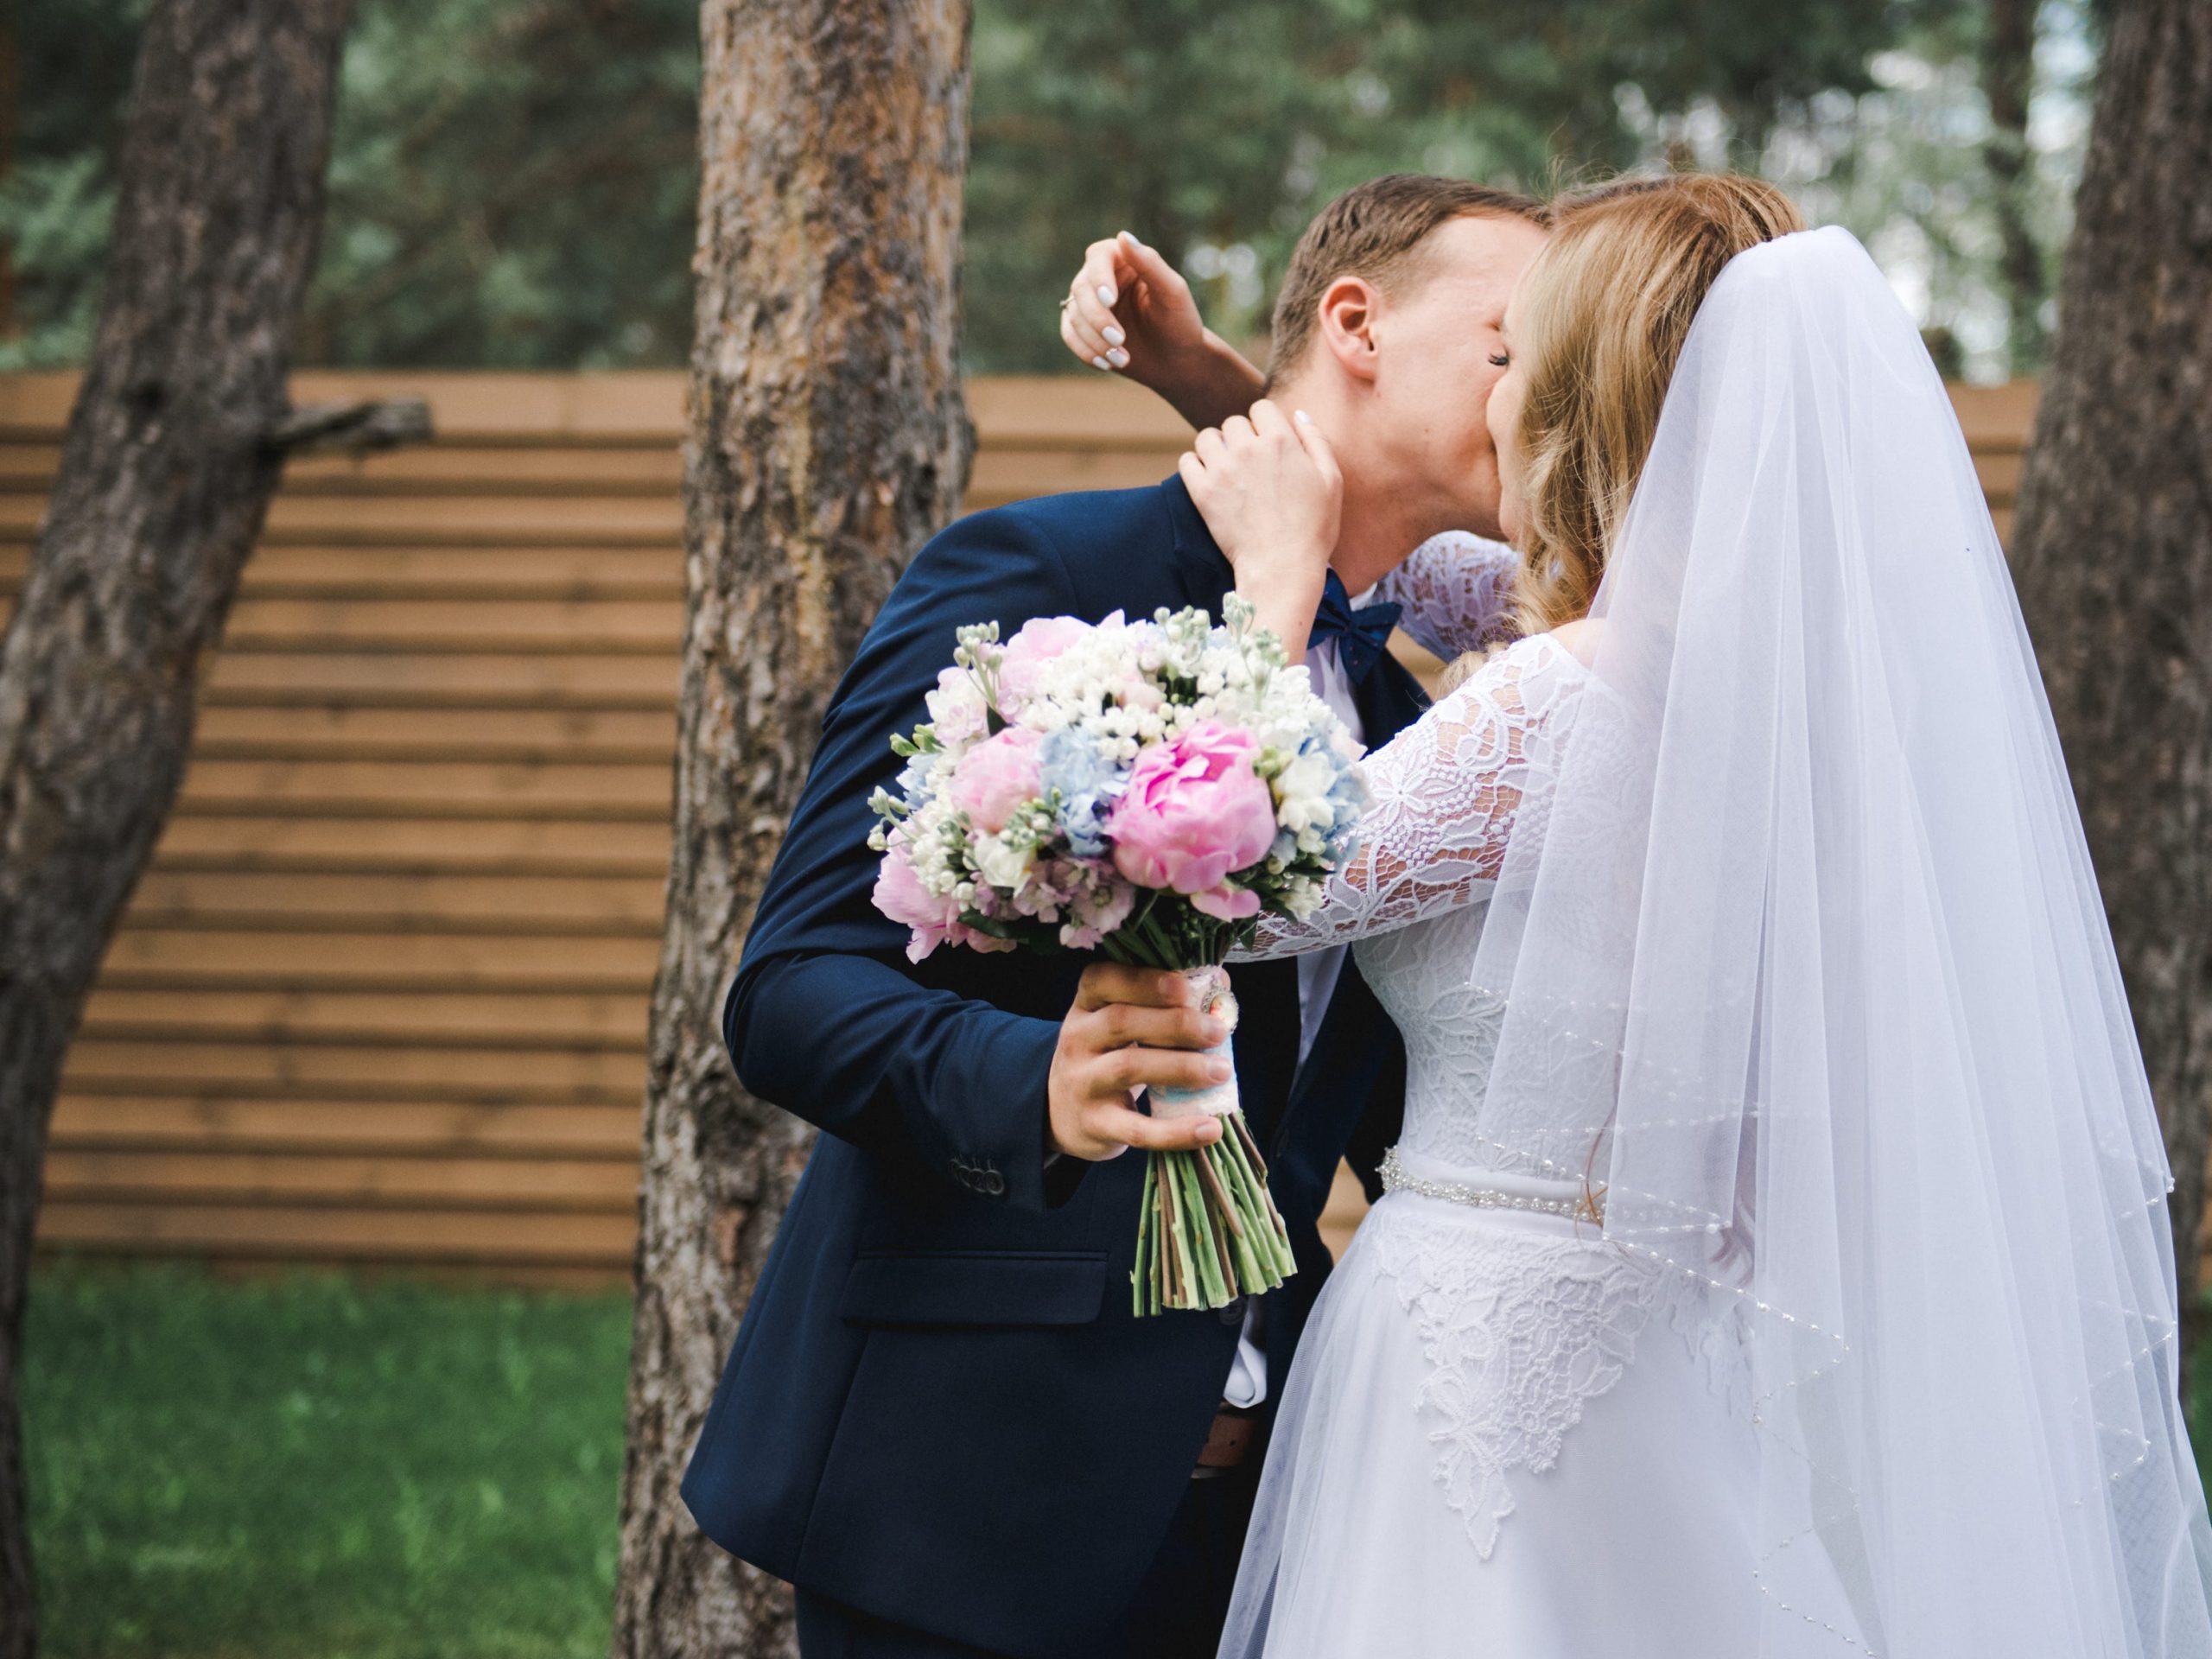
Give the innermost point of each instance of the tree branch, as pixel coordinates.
(356, 429)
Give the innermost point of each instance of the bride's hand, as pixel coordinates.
(1270, 490)
(1129, 311)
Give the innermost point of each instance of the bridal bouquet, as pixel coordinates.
(1145, 790)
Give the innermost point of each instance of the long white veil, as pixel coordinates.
(1805, 965)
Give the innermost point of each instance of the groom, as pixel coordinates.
(939, 1419)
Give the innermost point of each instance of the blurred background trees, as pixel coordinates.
(514, 180)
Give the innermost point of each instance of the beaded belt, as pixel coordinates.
(1589, 1206)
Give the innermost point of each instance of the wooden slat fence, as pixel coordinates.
(381, 997)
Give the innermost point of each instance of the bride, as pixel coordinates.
(1776, 1259)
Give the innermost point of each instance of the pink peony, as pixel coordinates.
(1230, 904)
(1195, 811)
(900, 895)
(995, 777)
(1041, 638)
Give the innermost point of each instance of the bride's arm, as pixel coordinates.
(1129, 311)
(1444, 794)
(1455, 593)
(1270, 493)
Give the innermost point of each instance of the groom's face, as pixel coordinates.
(1439, 355)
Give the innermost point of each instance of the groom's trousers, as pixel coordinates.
(1177, 1612)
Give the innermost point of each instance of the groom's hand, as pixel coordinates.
(1130, 1028)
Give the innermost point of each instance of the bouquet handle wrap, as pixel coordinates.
(1218, 1099)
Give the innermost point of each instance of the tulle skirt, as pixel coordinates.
(1505, 1437)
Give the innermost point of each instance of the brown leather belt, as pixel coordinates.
(1234, 1438)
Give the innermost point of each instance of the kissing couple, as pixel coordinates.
(1769, 1257)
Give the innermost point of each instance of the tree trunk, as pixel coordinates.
(2008, 74)
(2113, 552)
(166, 471)
(827, 441)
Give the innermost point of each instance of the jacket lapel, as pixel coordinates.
(1390, 700)
(1201, 572)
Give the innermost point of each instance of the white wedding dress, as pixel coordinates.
(1482, 1385)
(1774, 1263)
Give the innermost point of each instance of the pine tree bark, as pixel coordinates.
(2113, 553)
(828, 440)
(2008, 69)
(166, 471)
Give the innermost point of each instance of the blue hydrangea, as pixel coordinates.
(1088, 784)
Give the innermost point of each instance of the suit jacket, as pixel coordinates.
(939, 1408)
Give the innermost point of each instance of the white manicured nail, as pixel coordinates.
(1114, 336)
(1304, 419)
(1118, 358)
(1130, 236)
(1105, 294)
(1100, 362)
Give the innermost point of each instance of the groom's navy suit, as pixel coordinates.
(939, 1409)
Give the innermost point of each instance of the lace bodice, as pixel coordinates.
(1454, 591)
(1445, 795)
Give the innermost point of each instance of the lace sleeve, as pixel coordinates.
(1445, 792)
(1455, 591)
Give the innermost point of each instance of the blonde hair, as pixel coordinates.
(1604, 312)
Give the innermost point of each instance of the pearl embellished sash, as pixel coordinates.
(1498, 1190)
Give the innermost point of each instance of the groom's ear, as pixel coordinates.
(1351, 307)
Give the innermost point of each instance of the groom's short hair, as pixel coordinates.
(1375, 230)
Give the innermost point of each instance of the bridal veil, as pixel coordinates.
(1803, 964)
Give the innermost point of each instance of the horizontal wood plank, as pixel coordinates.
(156, 959)
(654, 571)
(523, 1131)
(642, 736)
(582, 626)
(606, 1186)
(604, 465)
(476, 680)
(316, 1232)
(436, 1020)
(626, 905)
(634, 405)
(211, 840)
(430, 788)
(362, 1071)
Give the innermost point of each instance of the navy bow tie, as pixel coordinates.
(1361, 635)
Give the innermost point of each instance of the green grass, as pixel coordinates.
(317, 1468)
(320, 1467)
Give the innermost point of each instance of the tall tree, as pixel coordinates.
(171, 454)
(2113, 552)
(2008, 73)
(827, 441)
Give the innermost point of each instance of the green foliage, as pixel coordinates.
(313, 1466)
(1214, 128)
(56, 201)
(513, 181)
(512, 185)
